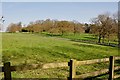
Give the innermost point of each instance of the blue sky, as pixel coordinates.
(59, 0)
(31, 11)
(0, 9)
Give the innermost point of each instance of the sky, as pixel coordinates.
(26, 12)
(59, 0)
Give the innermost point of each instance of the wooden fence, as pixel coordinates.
(7, 68)
(110, 71)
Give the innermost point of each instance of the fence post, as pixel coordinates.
(7, 71)
(111, 68)
(72, 69)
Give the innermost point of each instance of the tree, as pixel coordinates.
(64, 27)
(78, 28)
(14, 27)
(87, 28)
(50, 26)
(47, 25)
(105, 26)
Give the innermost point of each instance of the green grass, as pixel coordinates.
(77, 36)
(26, 48)
(83, 36)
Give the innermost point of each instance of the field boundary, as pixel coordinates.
(7, 68)
(73, 63)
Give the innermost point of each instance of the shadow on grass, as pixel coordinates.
(95, 42)
(38, 79)
(53, 35)
(90, 38)
(86, 45)
(117, 62)
(55, 79)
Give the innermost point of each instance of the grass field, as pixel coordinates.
(27, 48)
(84, 37)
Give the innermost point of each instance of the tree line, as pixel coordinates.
(104, 26)
(51, 26)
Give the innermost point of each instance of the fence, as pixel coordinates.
(7, 68)
(110, 71)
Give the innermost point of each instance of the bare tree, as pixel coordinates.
(105, 26)
(14, 27)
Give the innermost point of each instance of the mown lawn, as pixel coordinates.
(27, 48)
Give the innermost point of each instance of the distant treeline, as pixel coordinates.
(104, 26)
(51, 26)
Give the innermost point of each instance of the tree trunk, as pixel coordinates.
(103, 39)
(99, 39)
(108, 40)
